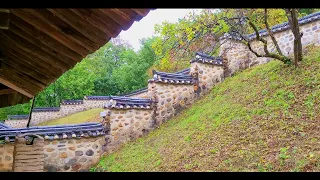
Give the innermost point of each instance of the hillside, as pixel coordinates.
(262, 119)
(92, 115)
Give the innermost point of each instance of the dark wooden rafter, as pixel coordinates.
(23, 56)
(48, 18)
(27, 80)
(94, 20)
(31, 48)
(41, 44)
(6, 91)
(141, 12)
(46, 27)
(129, 14)
(62, 60)
(4, 18)
(13, 59)
(118, 17)
(64, 28)
(8, 81)
(116, 28)
(81, 26)
(45, 39)
(19, 67)
(12, 99)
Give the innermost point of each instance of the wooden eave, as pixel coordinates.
(38, 45)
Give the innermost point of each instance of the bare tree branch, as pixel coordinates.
(270, 32)
(265, 46)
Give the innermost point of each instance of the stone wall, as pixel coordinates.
(28, 158)
(36, 118)
(72, 154)
(44, 116)
(171, 99)
(238, 56)
(208, 75)
(6, 156)
(55, 148)
(58, 155)
(19, 123)
(67, 109)
(127, 125)
(90, 103)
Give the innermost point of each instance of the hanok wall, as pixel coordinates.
(52, 148)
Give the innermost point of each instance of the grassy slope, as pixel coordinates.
(263, 119)
(92, 115)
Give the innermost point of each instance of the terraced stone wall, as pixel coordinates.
(16, 123)
(92, 103)
(67, 109)
(171, 99)
(68, 155)
(44, 116)
(127, 125)
(208, 75)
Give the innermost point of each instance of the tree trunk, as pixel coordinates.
(292, 15)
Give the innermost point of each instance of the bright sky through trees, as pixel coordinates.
(145, 27)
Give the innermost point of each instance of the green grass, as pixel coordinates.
(265, 118)
(92, 115)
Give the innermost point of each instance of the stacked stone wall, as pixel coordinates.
(127, 125)
(171, 99)
(68, 155)
(6, 156)
(19, 123)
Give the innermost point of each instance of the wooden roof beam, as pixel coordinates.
(13, 99)
(30, 82)
(129, 14)
(21, 80)
(30, 48)
(7, 82)
(141, 12)
(92, 19)
(7, 91)
(4, 18)
(45, 39)
(45, 26)
(118, 17)
(78, 24)
(56, 23)
(63, 60)
(26, 70)
(116, 28)
(10, 50)
(13, 58)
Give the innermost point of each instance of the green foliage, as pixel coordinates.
(283, 153)
(176, 43)
(13, 110)
(307, 11)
